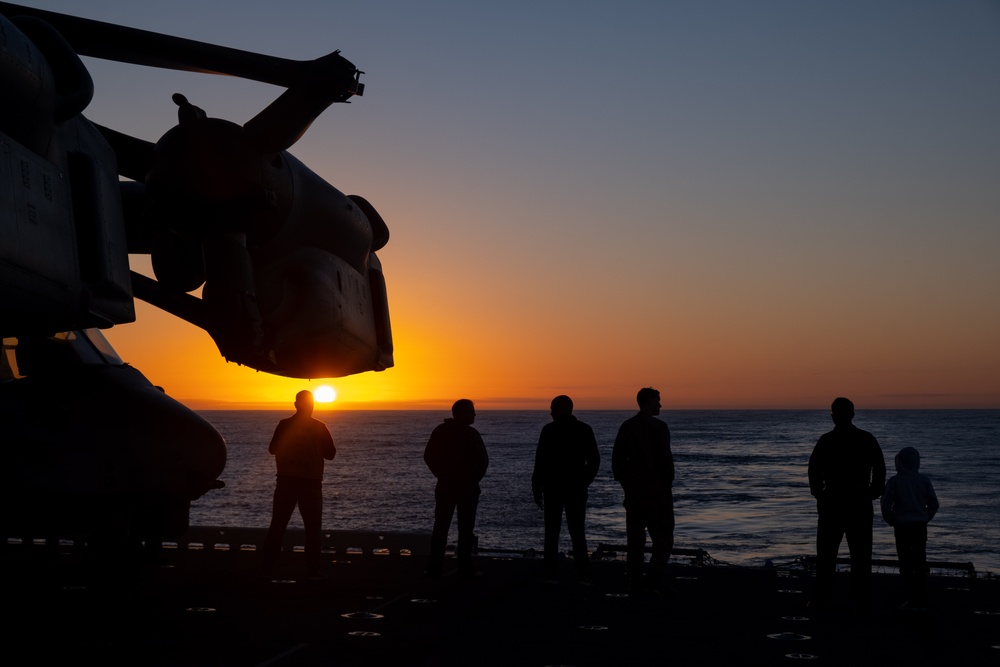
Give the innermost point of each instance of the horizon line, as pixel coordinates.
(487, 406)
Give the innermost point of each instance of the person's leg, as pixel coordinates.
(311, 509)
(552, 515)
(576, 510)
(467, 505)
(281, 511)
(635, 534)
(920, 565)
(829, 533)
(904, 553)
(859, 542)
(661, 534)
(444, 510)
(911, 547)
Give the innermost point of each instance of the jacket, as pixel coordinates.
(567, 458)
(847, 467)
(456, 455)
(641, 459)
(909, 496)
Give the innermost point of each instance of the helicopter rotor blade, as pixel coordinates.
(142, 47)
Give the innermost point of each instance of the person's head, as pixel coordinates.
(908, 460)
(304, 403)
(649, 401)
(463, 411)
(562, 406)
(842, 411)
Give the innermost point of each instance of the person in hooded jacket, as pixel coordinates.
(908, 504)
(566, 462)
(457, 457)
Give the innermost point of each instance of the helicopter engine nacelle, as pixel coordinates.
(286, 259)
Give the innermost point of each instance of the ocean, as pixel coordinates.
(741, 492)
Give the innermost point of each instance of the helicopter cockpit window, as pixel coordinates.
(102, 347)
(37, 356)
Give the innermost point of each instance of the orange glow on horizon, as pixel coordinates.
(500, 372)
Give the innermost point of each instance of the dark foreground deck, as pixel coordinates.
(207, 607)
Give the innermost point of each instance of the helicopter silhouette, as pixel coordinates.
(290, 282)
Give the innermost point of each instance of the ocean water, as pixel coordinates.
(741, 492)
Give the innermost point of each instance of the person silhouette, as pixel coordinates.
(641, 461)
(846, 472)
(908, 504)
(457, 457)
(300, 445)
(566, 462)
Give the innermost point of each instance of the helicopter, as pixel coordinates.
(287, 267)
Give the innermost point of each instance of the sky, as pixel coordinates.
(757, 204)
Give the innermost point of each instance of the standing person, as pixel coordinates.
(908, 504)
(566, 462)
(846, 472)
(300, 445)
(457, 456)
(642, 462)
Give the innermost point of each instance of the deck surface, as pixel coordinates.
(209, 607)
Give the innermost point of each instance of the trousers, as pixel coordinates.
(657, 517)
(835, 523)
(307, 494)
(575, 507)
(448, 500)
(911, 549)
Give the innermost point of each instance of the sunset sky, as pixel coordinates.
(759, 204)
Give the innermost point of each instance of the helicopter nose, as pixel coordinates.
(176, 449)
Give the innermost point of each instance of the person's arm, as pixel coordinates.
(329, 449)
(432, 454)
(593, 456)
(816, 483)
(878, 470)
(620, 456)
(484, 457)
(932, 501)
(888, 500)
(276, 438)
(669, 463)
(538, 472)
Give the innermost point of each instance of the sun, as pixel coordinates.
(325, 394)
